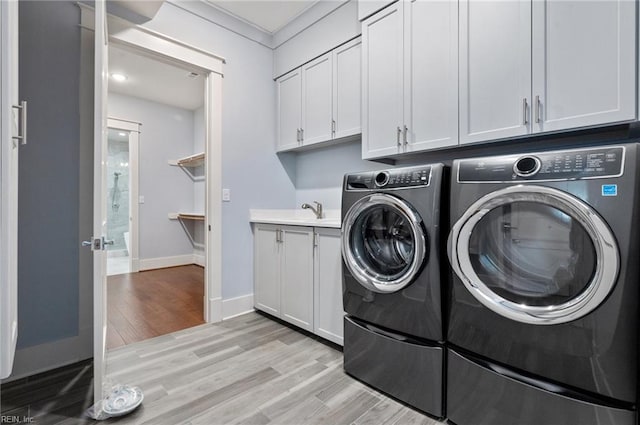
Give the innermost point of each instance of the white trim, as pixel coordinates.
(134, 183)
(32, 360)
(199, 259)
(164, 262)
(237, 306)
(215, 306)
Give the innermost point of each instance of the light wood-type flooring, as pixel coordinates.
(247, 370)
(155, 302)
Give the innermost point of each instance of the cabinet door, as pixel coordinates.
(346, 88)
(328, 310)
(495, 69)
(584, 62)
(289, 109)
(266, 273)
(316, 100)
(431, 74)
(382, 67)
(297, 276)
(8, 185)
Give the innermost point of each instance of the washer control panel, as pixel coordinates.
(556, 165)
(390, 179)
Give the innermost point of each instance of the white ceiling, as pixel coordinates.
(267, 15)
(154, 80)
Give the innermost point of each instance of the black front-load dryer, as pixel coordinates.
(543, 322)
(391, 249)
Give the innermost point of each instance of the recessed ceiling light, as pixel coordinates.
(192, 74)
(119, 77)
(121, 134)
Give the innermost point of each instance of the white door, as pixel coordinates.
(316, 100)
(100, 200)
(584, 61)
(495, 69)
(431, 74)
(266, 260)
(297, 276)
(289, 110)
(382, 67)
(10, 140)
(328, 312)
(347, 87)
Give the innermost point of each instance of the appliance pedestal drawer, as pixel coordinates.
(404, 368)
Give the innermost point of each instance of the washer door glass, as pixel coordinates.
(383, 242)
(534, 254)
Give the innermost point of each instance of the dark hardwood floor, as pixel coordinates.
(152, 303)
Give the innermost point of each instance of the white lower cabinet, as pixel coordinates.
(297, 277)
(327, 299)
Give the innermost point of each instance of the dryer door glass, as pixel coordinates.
(383, 243)
(534, 254)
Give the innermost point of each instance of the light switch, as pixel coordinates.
(141, 199)
(226, 195)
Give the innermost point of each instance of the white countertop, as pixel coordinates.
(297, 217)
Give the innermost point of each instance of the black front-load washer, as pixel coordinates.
(543, 322)
(391, 249)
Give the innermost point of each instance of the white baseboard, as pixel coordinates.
(198, 259)
(237, 306)
(163, 262)
(41, 358)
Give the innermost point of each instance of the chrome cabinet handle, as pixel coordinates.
(302, 134)
(538, 109)
(405, 135)
(277, 235)
(525, 118)
(333, 127)
(298, 135)
(398, 137)
(22, 136)
(315, 239)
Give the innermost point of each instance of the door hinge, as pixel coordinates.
(97, 244)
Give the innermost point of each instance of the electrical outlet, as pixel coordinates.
(226, 195)
(141, 199)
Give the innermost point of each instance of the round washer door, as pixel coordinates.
(534, 254)
(383, 242)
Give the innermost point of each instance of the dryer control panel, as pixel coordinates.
(572, 164)
(398, 178)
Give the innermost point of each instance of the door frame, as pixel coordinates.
(134, 139)
(146, 41)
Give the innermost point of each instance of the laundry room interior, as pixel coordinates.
(333, 211)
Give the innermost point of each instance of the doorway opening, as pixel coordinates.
(156, 178)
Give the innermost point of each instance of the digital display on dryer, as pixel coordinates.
(557, 165)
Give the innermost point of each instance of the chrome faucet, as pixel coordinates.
(317, 210)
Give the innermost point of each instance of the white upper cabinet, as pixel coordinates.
(538, 66)
(316, 100)
(347, 89)
(495, 69)
(431, 74)
(320, 101)
(583, 63)
(382, 90)
(289, 109)
(410, 78)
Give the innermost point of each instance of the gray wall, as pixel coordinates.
(256, 176)
(167, 132)
(49, 239)
(319, 172)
